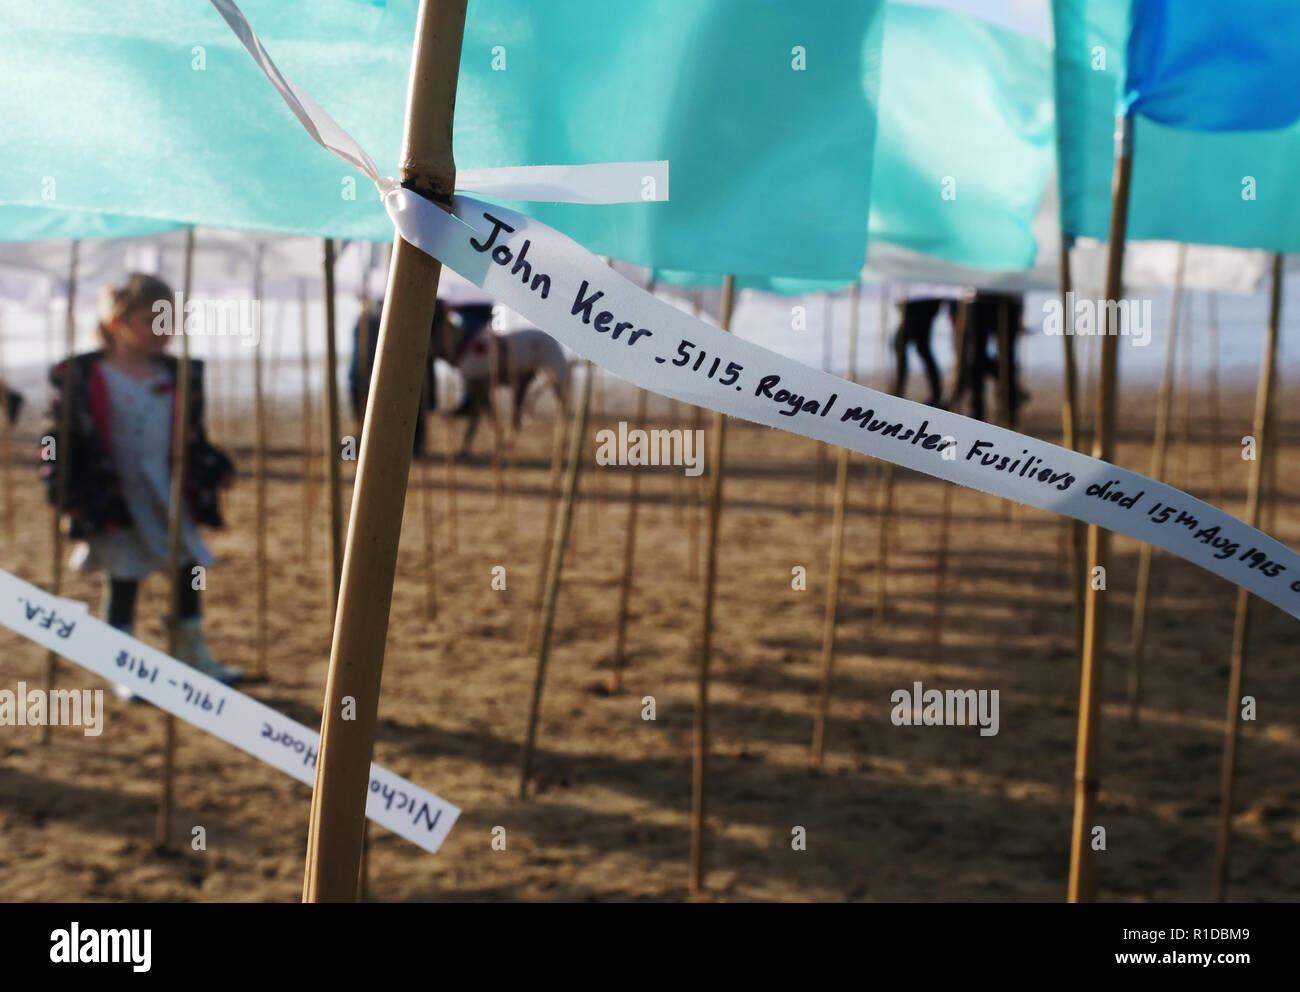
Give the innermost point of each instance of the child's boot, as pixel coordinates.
(192, 648)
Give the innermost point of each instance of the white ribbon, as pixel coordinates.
(64, 626)
(569, 293)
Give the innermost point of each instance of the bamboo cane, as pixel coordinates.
(1212, 369)
(819, 506)
(61, 464)
(679, 488)
(1185, 403)
(175, 523)
(1263, 428)
(558, 434)
(629, 552)
(427, 528)
(6, 445)
(1158, 450)
(494, 371)
(885, 499)
(1005, 399)
(263, 509)
(308, 482)
(1082, 882)
(597, 500)
(449, 467)
(332, 431)
(365, 592)
(563, 527)
(701, 738)
(941, 557)
(1070, 438)
(941, 575)
(837, 556)
(696, 491)
(697, 507)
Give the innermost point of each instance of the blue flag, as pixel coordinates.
(1236, 188)
(1214, 66)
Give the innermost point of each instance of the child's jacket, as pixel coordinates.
(93, 499)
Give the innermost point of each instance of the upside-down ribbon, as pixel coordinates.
(64, 626)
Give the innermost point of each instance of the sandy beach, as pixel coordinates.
(898, 813)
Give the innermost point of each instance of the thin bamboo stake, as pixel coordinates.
(1185, 404)
(699, 764)
(941, 575)
(427, 528)
(365, 592)
(629, 552)
(696, 488)
(1263, 428)
(1005, 399)
(1082, 882)
(263, 508)
(6, 445)
(819, 489)
(697, 508)
(558, 435)
(494, 371)
(449, 465)
(563, 527)
(1158, 450)
(332, 433)
(597, 500)
(885, 500)
(945, 527)
(679, 484)
(1212, 368)
(61, 464)
(1070, 438)
(308, 481)
(837, 555)
(175, 523)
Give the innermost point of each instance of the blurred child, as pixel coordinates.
(118, 463)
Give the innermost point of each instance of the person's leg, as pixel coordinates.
(923, 332)
(119, 602)
(979, 365)
(906, 317)
(191, 646)
(119, 611)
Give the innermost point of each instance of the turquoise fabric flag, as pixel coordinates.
(964, 148)
(1240, 189)
(765, 111)
(1214, 66)
(45, 224)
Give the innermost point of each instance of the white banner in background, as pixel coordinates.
(64, 626)
(573, 296)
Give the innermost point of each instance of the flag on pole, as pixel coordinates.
(1214, 66)
(765, 111)
(1234, 188)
